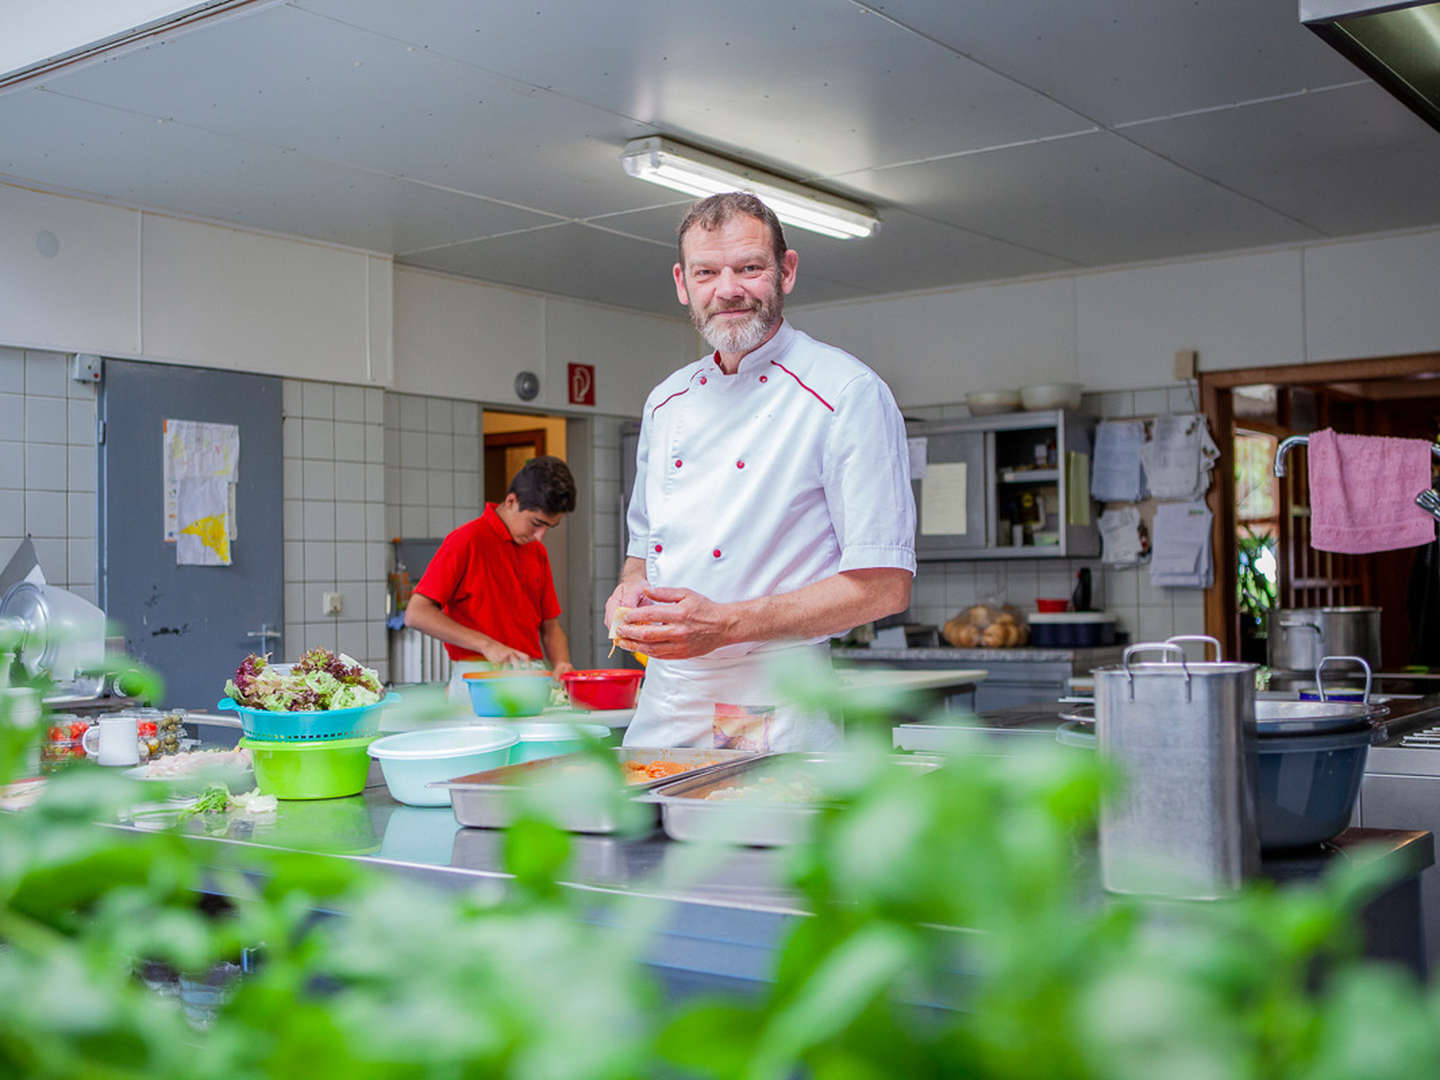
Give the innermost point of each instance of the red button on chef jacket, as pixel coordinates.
(483, 579)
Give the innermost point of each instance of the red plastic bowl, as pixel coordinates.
(607, 688)
(1051, 606)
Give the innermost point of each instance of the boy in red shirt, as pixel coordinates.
(488, 593)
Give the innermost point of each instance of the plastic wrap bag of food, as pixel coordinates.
(988, 625)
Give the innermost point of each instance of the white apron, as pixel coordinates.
(729, 704)
(456, 691)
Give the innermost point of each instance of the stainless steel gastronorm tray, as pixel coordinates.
(687, 814)
(483, 800)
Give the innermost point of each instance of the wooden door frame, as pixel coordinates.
(1217, 402)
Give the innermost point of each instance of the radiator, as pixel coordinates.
(417, 658)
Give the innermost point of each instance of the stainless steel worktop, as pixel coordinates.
(1081, 659)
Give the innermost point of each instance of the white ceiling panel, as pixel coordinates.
(1345, 161)
(117, 155)
(815, 86)
(908, 253)
(295, 80)
(573, 260)
(1093, 199)
(1128, 59)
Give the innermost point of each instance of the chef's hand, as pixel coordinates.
(504, 656)
(675, 624)
(562, 668)
(627, 595)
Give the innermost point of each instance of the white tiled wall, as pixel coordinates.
(48, 466)
(433, 473)
(607, 555)
(1149, 613)
(1145, 612)
(334, 519)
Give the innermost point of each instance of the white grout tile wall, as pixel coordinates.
(48, 467)
(334, 519)
(607, 528)
(431, 449)
(1149, 613)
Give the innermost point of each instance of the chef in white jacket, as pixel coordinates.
(772, 504)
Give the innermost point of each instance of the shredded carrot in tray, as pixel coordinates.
(642, 772)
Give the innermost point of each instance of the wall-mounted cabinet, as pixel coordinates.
(1015, 486)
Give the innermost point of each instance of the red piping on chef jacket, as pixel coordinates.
(676, 394)
(801, 381)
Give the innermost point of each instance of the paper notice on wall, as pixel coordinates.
(919, 449)
(197, 451)
(203, 513)
(942, 500)
(1077, 488)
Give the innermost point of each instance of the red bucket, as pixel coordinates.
(607, 688)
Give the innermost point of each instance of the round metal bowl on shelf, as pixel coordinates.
(992, 402)
(1044, 396)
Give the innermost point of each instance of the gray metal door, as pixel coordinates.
(191, 623)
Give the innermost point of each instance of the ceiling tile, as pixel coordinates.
(291, 79)
(907, 253)
(1128, 59)
(1093, 199)
(813, 86)
(55, 140)
(572, 260)
(1344, 161)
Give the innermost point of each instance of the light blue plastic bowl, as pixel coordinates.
(509, 693)
(541, 739)
(411, 760)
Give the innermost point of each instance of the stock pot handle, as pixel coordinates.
(1154, 646)
(1198, 637)
(1320, 667)
(1294, 624)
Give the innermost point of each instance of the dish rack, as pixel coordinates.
(1428, 500)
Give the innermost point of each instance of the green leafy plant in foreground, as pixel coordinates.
(967, 886)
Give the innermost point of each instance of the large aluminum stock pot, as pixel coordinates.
(1297, 639)
(1182, 732)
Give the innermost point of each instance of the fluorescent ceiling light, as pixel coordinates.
(697, 173)
(1396, 44)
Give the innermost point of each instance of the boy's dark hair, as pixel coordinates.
(545, 484)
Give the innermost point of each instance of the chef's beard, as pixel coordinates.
(739, 335)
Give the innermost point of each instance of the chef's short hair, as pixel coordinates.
(716, 211)
(545, 484)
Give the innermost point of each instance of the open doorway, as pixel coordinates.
(1262, 525)
(510, 440)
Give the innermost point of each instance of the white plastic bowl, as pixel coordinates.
(1060, 395)
(992, 402)
(411, 760)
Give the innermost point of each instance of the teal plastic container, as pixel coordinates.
(539, 739)
(509, 693)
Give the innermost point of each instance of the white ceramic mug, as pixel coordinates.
(118, 738)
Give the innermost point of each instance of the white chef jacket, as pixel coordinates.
(787, 472)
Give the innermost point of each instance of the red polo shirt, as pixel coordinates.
(483, 579)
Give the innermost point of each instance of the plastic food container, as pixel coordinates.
(606, 688)
(1051, 605)
(509, 693)
(328, 769)
(539, 739)
(1073, 629)
(413, 759)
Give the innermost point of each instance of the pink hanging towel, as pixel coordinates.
(1362, 493)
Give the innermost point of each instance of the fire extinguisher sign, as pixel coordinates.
(582, 384)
